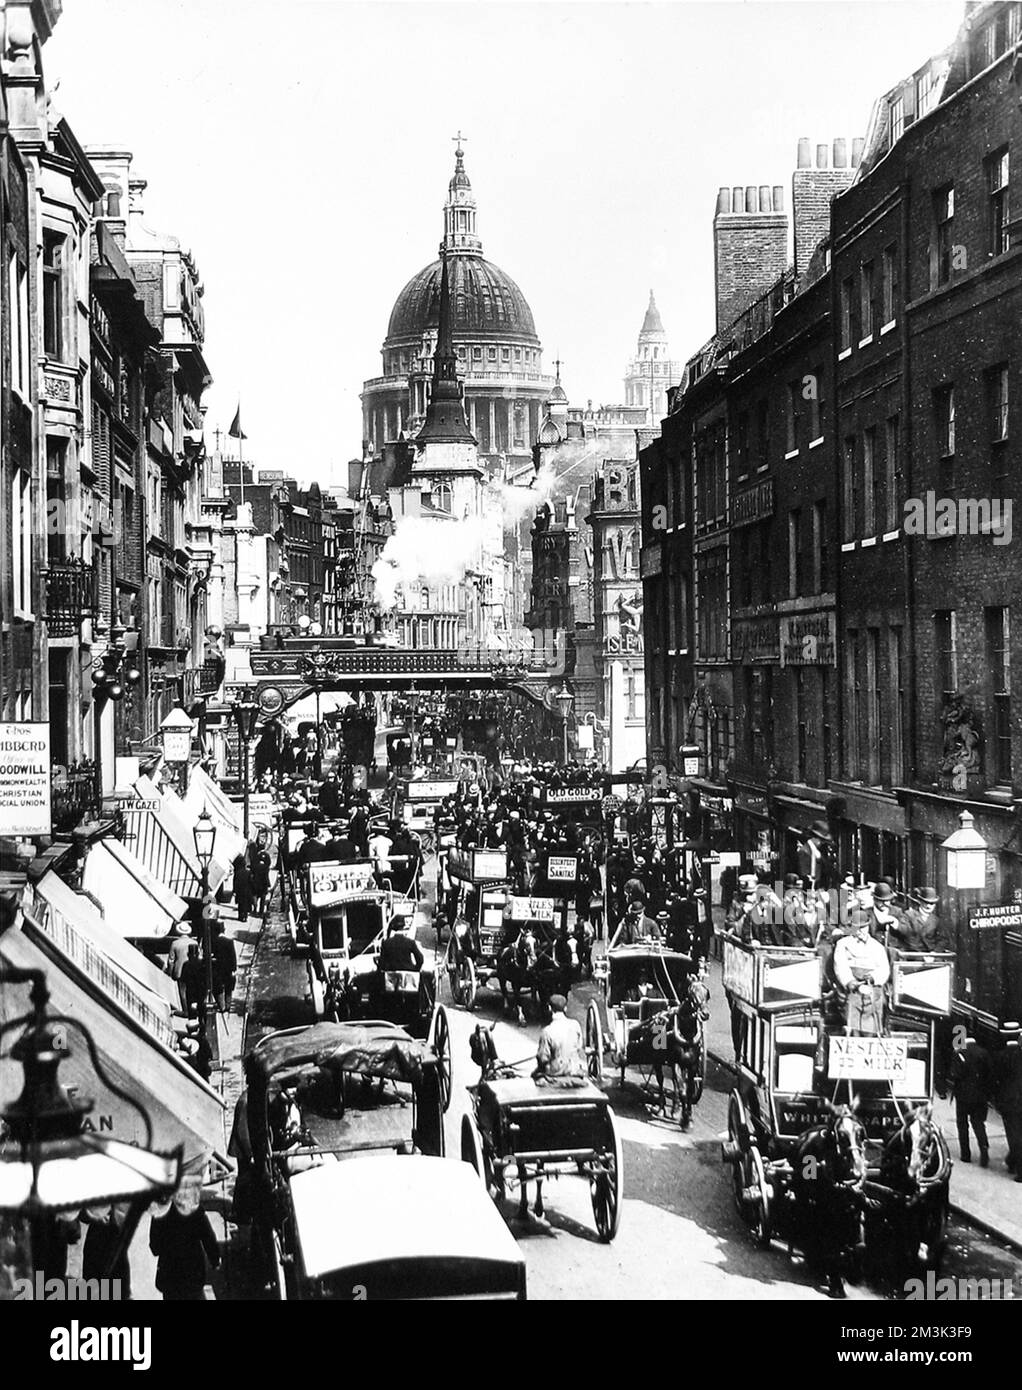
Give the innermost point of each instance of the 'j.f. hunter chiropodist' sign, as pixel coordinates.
(25, 779)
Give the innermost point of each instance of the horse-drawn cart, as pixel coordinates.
(650, 1015)
(831, 1141)
(522, 1130)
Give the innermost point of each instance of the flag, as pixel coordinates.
(236, 432)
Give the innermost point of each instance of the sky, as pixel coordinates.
(302, 150)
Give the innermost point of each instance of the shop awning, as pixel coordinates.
(204, 795)
(181, 1107)
(162, 840)
(134, 902)
(74, 918)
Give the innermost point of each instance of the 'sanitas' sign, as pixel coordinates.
(25, 779)
(867, 1059)
(562, 868)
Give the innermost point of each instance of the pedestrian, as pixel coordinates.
(193, 984)
(183, 1242)
(259, 870)
(225, 966)
(242, 887)
(177, 957)
(971, 1084)
(104, 1230)
(1009, 1096)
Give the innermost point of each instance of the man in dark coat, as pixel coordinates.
(182, 1243)
(225, 966)
(971, 1082)
(1009, 1097)
(920, 928)
(242, 887)
(104, 1226)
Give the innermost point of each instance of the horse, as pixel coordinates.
(516, 966)
(828, 1181)
(683, 1026)
(915, 1168)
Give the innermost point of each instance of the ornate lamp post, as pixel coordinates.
(565, 700)
(204, 835)
(48, 1165)
(246, 714)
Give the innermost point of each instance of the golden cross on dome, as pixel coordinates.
(458, 139)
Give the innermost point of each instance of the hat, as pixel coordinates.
(883, 892)
(747, 883)
(926, 895)
(792, 881)
(858, 918)
(558, 1003)
(636, 908)
(820, 829)
(1014, 1029)
(183, 929)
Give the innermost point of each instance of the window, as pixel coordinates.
(794, 551)
(827, 730)
(59, 537)
(897, 118)
(867, 308)
(801, 724)
(998, 226)
(999, 668)
(875, 734)
(816, 404)
(926, 93)
(21, 542)
(441, 497)
(54, 248)
(17, 289)
(491, 354)
(742, 443)
(892, 466)
(851, 676)
(847, 313)
(791, 417)
(870, 480)
(997, 402)
(505, 354)
(897, 704)
(944, 408)
(945, 633)
(850, 490)
(477, 354)
(763, 432)
(889, 273)
(943, 218)
(821, 574)
(713, 606)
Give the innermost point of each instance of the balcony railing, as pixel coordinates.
(70, 596)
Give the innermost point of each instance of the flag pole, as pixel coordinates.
(241, 454)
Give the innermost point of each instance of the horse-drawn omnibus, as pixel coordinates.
(831, 1141)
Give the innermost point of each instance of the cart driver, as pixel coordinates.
(862, 968)
(560, 1055)
(399, 952)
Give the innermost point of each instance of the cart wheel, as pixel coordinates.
(594, 1043)
(469, 988)
(698, 1077)
(606, 1187)
(760, 1205)
(472, 1146)
(739, 1131)
(442, 1048)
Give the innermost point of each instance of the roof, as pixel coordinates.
(652, 324)
(485, 302)
(378, 1211)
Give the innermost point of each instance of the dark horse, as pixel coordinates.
(911, 1217)
(516, 967)
(684, 1050)
(828, 1179)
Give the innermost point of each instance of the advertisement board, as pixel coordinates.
(431, 791)
(25, 779)
(531, 909)
(331, 883)
(562, 868)
(867, 1059)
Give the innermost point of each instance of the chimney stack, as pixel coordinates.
(813, 189)
(750, 245)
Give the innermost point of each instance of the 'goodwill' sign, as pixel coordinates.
(25, 779)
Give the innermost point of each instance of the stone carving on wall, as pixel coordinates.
(961, 743)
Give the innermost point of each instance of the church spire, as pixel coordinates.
(445, 414)
(460, 210)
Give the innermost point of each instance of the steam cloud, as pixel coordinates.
(431, 550)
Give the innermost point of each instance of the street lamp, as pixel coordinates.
(176, 734)
(565, 700)
(246, 713)
(48, 1164)
(204, 835)
(966, 856)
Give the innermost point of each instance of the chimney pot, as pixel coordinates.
(764, 198)
(752, 198)
(822, 156)
(857, 147)
(840, 153)
(738, 200)
(805, 158)
(724, 200)
(778, 198)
